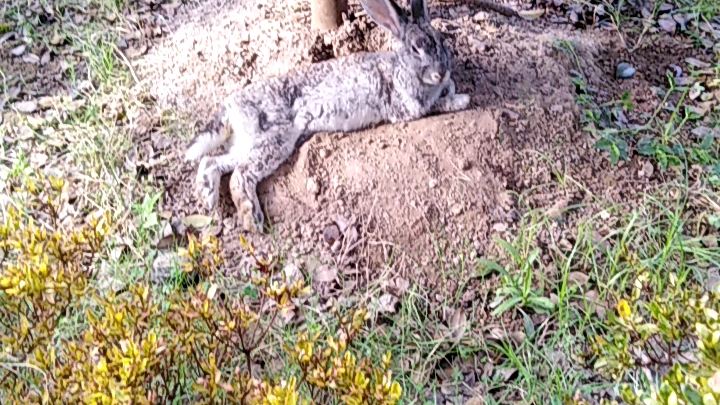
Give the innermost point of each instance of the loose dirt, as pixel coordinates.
(444, 182)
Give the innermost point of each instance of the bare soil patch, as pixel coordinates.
(419, 188)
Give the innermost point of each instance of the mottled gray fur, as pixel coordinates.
(268, 118)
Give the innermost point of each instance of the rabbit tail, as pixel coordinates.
(215, 134)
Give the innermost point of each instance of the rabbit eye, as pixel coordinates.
(415, 49)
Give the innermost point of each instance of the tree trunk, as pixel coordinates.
(327, 14)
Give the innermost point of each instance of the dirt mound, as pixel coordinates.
(453, 178)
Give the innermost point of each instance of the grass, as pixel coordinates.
(528, 341)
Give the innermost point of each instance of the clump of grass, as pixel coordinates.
(138, 346)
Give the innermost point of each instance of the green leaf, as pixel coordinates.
(542, 302)
(533, 256)
(662, 158)
(507, 305)
(529, 326)
(692, 396)
(646, 330)
(646, 146)
(600, 363)
(488, 267)
(509, 248)
(251, 291)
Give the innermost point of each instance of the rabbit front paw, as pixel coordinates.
(207, 183)
(451, 103)
(461, 101)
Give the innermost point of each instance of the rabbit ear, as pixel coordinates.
(419, 10)
(387, 14)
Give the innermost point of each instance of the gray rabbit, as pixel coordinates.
(268, 118)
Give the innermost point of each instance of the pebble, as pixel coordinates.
(17, 51)
(26, 107)
(312, 186)
(336, 246)
(647, 169)
(331, 234)
(624, 71)
(480, 16)
(433, 183)
(323, 153)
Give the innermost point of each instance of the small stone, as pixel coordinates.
(479, 248)
(352, 235)
(433, 183)
(323, 153)
(31, 58)
(312, 186)
(456, 209)
(167, 230)
(510, 114)
(500, 227)
(624, 71)
(18, 50)
(336, 246)
(647, 169)
(331, 234)
(465, 164)
(667, 23)
(480, 16)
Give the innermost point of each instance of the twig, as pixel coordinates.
(127, 63)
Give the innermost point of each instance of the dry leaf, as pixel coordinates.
(697, 63)
(476, 400)
(8, 36)
(505, 373)
(578, 278)
(667, 23)
(135, 52)
(557, 208)
(458, 323)
(703, 132)
(26, 107)
(325, 274)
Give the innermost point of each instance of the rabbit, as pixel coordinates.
(265, 122)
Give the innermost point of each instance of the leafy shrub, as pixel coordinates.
(670, 324)
(139, 346)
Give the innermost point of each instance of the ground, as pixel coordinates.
(557, 170)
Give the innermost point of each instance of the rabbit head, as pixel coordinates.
(422, 48)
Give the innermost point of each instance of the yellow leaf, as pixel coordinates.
(623, 309)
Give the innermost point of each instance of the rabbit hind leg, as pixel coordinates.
(207, 180)
(249, 173)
